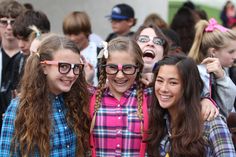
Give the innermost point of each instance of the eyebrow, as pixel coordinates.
(172, 78)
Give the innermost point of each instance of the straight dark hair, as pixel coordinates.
(186, 137)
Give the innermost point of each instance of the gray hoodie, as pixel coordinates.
(226, 91)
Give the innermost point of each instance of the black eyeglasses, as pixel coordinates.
(127, 69)
(64, 68)
(5, 22)
(155, 40)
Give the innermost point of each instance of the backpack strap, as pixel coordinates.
(211, 88)
(145, 128)
(91, 111)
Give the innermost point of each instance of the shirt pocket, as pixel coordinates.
(134, 123)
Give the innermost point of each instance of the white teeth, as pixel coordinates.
(165, 97)
(120, 82)
(149, 51)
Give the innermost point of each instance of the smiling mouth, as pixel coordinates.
(67, 82)
(120, 83)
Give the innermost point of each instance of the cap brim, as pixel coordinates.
(117, 17)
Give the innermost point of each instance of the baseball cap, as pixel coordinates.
(121, 12)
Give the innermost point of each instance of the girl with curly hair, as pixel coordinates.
(50, 117)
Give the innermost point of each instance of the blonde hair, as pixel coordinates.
(204, 40)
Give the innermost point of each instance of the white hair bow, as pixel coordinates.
(104, 51)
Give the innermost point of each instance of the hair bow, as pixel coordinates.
(36, 30)
(214, 25)
(104, 51)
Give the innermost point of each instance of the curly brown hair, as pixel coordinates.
(33, 120)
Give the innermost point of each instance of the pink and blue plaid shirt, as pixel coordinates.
(117, 130)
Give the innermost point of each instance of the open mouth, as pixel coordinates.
(149, 54)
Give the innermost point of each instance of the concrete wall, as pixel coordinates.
(97, 10)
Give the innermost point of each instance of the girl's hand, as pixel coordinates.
(209, 110)
(88, 70)
(213, 65)
(147, 79)
(147, 68)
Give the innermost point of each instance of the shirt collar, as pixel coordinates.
(52, 97)
(126, 94)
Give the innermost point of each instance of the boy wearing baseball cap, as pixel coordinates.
(122, 19)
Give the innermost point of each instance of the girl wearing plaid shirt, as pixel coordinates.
(119, 108)
(50, 117)
(176, 125)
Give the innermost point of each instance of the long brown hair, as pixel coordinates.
(123, 44)
(33, 120)
(187, 129)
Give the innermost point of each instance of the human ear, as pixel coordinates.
(131, 22)
(44, 67)
(211, 52)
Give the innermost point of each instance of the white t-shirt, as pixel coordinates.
(95, 39)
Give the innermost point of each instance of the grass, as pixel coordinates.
(211, 12)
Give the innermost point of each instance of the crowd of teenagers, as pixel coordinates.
(160, 91)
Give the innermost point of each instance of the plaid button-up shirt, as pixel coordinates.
(117, 130)
(62, 139)
(217, 135)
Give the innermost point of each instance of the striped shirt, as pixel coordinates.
(217, 135)
(62, 139)
(117, 130)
